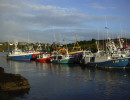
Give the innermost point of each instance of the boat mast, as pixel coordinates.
(103, 41)
(65, 43)
(106, 30)
(97, 43)
(126, 39)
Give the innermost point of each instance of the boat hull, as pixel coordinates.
(128, 59)
(44, 60)
(116, 63)
(20, 57)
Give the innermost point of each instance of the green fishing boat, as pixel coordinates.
(62, 56)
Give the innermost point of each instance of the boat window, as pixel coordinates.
(59, 57)
(92, 59)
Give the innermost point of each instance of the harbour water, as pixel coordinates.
(69, 82)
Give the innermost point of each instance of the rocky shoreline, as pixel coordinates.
(12, 82)
(12, 85)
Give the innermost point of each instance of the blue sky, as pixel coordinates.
(53, 20)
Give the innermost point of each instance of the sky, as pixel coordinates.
(49, 21)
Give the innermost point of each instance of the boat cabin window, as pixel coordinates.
(92, 59)
(59, 57)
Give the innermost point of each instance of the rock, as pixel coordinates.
(12, 82)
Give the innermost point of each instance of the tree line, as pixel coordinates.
(85, 45)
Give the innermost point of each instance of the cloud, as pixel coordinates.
(19, 18)
(98, 6)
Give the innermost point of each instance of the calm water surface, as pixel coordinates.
(69, 82)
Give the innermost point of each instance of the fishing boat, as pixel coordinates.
(108, 62)
(62, 56)
(110, 58)
(103, 60)
(87, 54)
(17, 54)
(44, 58)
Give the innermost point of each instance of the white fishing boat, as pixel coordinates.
(17, 54)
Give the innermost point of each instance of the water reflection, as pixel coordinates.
(110, 82)
(53, 69)
(84, 73)
(18, 66)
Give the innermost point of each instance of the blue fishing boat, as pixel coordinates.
(112, 63)
(23, 56)
(111, 58)
(17, 54)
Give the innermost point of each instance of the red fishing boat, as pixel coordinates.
(44, 58)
